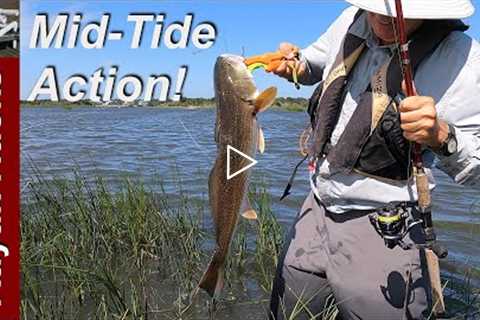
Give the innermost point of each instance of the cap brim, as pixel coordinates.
(419, 9)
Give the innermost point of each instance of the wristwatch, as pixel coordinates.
(450, 145)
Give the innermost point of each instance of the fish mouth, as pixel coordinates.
(236, 65)
(232, 68)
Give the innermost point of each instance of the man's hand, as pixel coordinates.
(285, 68)
(420, 123)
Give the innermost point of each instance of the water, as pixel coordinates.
(175, 144)
(178, 144)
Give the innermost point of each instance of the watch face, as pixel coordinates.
(452, 146)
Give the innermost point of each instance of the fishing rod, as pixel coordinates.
(421, 178)
(390, 223)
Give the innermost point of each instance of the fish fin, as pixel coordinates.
(261, 140)
(212, 280)
(265, 99)
(250, 214)
(247, 211)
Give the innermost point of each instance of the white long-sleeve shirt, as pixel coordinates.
(451, 75)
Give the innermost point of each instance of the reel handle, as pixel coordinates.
(431, 242)
(439, 250)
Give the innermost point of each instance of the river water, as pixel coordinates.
(178, 145)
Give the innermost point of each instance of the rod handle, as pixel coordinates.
(423, 190)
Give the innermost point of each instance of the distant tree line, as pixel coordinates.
(287, 103)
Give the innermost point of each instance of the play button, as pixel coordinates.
(251, 163)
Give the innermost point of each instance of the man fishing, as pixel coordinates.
(365, 124)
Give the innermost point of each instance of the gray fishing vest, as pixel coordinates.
(372, 142)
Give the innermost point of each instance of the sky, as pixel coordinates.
(243, 27)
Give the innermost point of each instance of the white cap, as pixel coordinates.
(419, 9)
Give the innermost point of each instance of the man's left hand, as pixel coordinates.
(420, 123)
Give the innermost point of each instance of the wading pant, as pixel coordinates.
(339, 260)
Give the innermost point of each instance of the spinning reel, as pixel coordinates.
(393, 222)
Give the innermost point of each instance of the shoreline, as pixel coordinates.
(186, 108)
(284, 104)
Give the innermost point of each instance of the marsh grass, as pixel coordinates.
(89, 252)
(462, 296)
(92, 252)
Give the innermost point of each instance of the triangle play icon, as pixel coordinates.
(252, 162)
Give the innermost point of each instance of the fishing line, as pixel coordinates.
(199, 147)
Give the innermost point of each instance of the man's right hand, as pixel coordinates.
(286, 67)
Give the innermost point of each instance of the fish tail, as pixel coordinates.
(212, 280)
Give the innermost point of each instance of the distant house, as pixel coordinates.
(9, 32)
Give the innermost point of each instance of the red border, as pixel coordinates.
(9, 189)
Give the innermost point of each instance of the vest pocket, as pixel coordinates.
(375, 155)
(386, 153)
